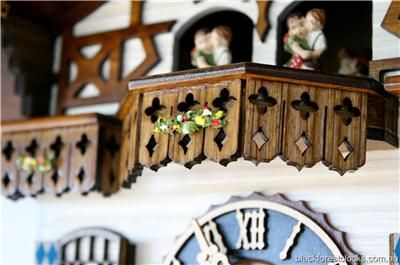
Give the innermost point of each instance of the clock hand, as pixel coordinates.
(209, 254)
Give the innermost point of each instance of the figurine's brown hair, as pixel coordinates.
(295, 15)
(224, 32)
(318, 14)
(201, 32)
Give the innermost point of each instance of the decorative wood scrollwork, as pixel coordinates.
(77, 143)
(113, 87)
(271, 112)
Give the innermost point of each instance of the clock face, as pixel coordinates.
(261, 230)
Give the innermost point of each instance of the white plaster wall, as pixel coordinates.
(160, 205)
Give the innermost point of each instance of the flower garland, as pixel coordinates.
(36, 164)
(191, 121)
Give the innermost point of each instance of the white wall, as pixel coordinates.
(160, 205)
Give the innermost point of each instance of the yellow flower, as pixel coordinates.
(175, 126)
(199, 120)
(219, 114)
(157, 130)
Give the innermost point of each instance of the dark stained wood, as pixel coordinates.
(378, 69)
(88, 155)
(262, 24)
(11, 101)
(112, 241)
(111, 89)
(28, 48)
(53, 15)
(391, 21)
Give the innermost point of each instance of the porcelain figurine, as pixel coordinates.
(295, 40)
(221, 38)
(202, 54)
(352, 64)
(305, 39)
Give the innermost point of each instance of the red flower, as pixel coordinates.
(215, 123)
(296, 62)
(185, 118)
(205, 107)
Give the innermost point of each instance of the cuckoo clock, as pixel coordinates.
(261, 230)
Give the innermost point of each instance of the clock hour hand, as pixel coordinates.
(209, 253)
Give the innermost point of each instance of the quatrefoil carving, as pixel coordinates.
(154, 110)
(224, 100)
(188, 104)
(346, 111)
(304, 106)
(262, 101)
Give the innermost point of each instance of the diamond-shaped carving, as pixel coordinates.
(345, 149)
(220, 139)
(185, 142)
(260, 138)
(303, 143)
(152, 145)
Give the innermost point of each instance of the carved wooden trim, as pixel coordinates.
(391, 20)
(89, 69)
(86, 148)
(303, 117)
(262, 23)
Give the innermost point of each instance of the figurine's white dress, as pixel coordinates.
(222, 55)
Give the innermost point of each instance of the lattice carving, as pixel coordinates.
(89, 68)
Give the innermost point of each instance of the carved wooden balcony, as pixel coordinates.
(85, 148)
(301, 116)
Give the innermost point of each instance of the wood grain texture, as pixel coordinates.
(272, 114)
(391, 20)
(271, 122)
(230, 150)
(262, 24)
(194, 152)
(117, 249)
(112, 88)
(94, 167)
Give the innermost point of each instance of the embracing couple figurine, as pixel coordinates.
(305, 39)
(212, 48)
